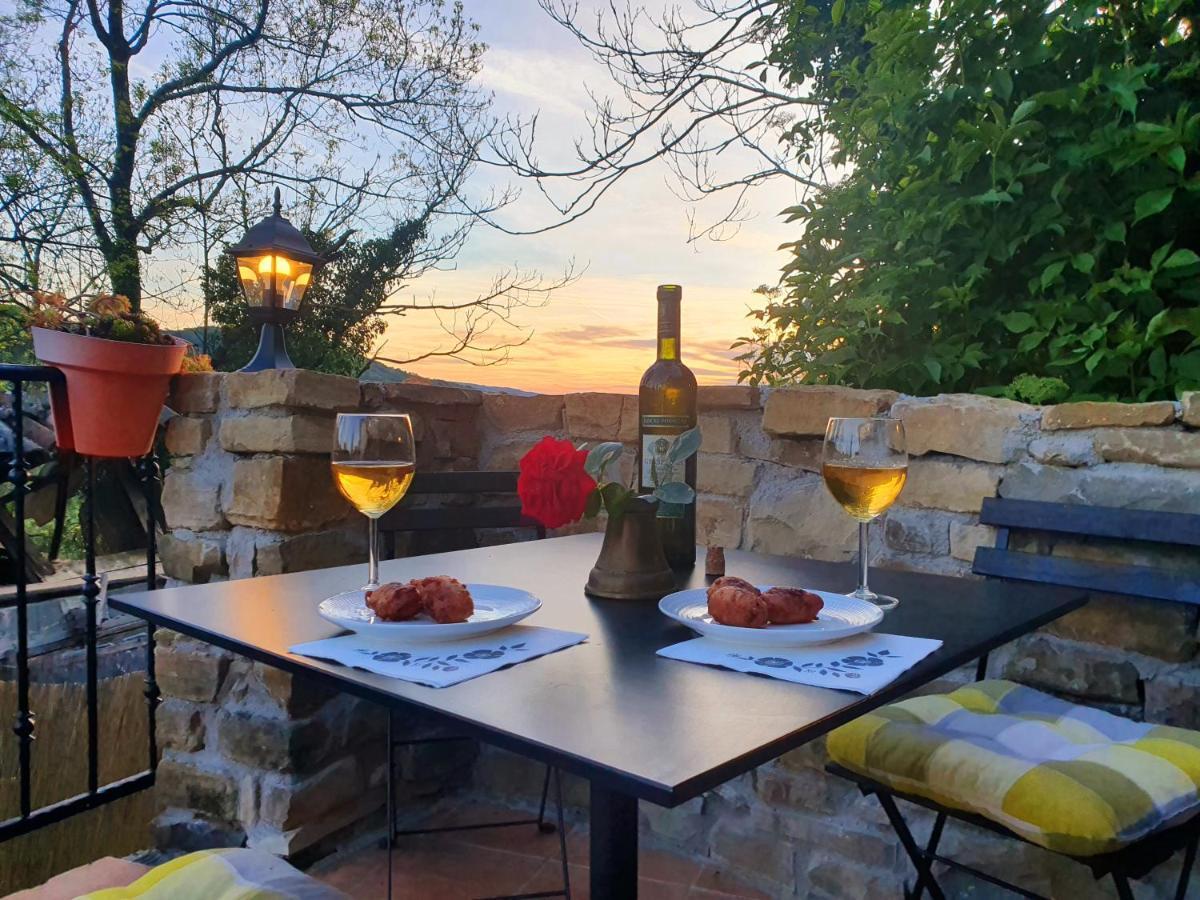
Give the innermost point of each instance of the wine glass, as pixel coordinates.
(865, 463)
(373, 461)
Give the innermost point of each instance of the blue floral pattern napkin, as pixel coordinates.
(863, 663)
(443, 664)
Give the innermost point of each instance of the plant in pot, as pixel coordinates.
(117, 365)
(560, 484)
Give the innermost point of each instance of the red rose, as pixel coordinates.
(553, 486)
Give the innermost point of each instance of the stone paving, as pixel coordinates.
(502, 861)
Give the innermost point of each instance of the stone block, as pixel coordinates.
(293, 433)
(718, 433)
(180, 726)
(628, 431)
(987, 429)
(295, 388)
(253, 552)
(524, 412)
(808, 790)
(917, 531)
(190, 557)
(719, 521)
(287, 803)
(1173, 698)
(280, 745)
(1152, 627)
(596, 417)
(1076, 669)
(1160, 447)
(192, 499)
(756, 851)
(188, 786)
(179, 831)
(1191, 409)
(187, 435)
(949, 484)
(793, 515)
(1124, 485)
(805, 410)
(505, 456)
(399, 396)
(1065, 450)
(731, 476)
(188, 671)
(283, 493)
(966, 537)
(294, 695)
(728, 396)
(196, 393)
(1090, 414)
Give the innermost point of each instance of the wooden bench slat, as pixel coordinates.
(444, 519)
(1181, 529)
(464, 483)
(1108, 578)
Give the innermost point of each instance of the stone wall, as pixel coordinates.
(244, 442)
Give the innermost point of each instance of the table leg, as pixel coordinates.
(614, 839)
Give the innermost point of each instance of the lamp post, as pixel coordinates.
(276, 265)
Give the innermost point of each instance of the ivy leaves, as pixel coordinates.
(1021, 191)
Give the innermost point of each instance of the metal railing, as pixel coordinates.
(25, 725)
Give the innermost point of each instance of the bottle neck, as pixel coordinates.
(668, 329)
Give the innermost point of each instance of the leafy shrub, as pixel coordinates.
(1038, 390)
(1022, 192)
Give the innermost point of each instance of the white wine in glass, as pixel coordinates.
(865, 464)
(374, 459)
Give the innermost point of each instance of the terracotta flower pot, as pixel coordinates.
(115, 390)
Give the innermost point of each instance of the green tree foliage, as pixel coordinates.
(340, 320)
(1020, 195)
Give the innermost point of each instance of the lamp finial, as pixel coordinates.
(278, 202)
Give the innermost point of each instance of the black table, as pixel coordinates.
(635, 725)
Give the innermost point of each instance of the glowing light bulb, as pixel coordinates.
(278, 265)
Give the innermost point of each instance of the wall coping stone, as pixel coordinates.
(382, 393)
(803, 410)
(1089, 414)
(291, 387)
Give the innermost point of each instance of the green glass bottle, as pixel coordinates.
(666, 409)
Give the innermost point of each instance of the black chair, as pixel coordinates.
(1064, 520)
(503, 511)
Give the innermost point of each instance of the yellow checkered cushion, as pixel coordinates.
(1071, 778)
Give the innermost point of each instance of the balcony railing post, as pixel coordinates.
(24, 724)
(150, 473)
(91, 594)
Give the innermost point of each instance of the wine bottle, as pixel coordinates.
(666, 409)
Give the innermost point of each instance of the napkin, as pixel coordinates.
(442, 664)
(863, 663)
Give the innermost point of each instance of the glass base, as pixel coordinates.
(883, 601)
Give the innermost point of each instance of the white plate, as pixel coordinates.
(496, 607)
(841, 617)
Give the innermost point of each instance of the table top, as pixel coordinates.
(611, 710)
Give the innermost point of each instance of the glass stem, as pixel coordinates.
(862, 557)
(372, 553)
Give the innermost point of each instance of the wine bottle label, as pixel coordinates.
(657, 467)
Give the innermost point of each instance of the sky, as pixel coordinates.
(597, 333)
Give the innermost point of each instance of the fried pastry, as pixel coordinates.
(733, 581)
(733, 604)
(792, 606)
(445, 599)
(395, 602)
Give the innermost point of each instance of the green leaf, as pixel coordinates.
(1024, 111)
(1115, 231)
(1094, 360)
(675, 492)
(933, 367)
(684, 446)
(1176, 158)
(1170, 321)
(1160, 254)
(591, 509)
(839, 9)
(600, 456)
(1018, 322)
(1052, 272)
(1002, 84)
(1180, 258)
(1031, 341)
(1151, 203)
(615, 497)
(1084, 262)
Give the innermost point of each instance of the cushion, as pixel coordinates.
(233, 874)
(1070, 778)
(107, 871)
